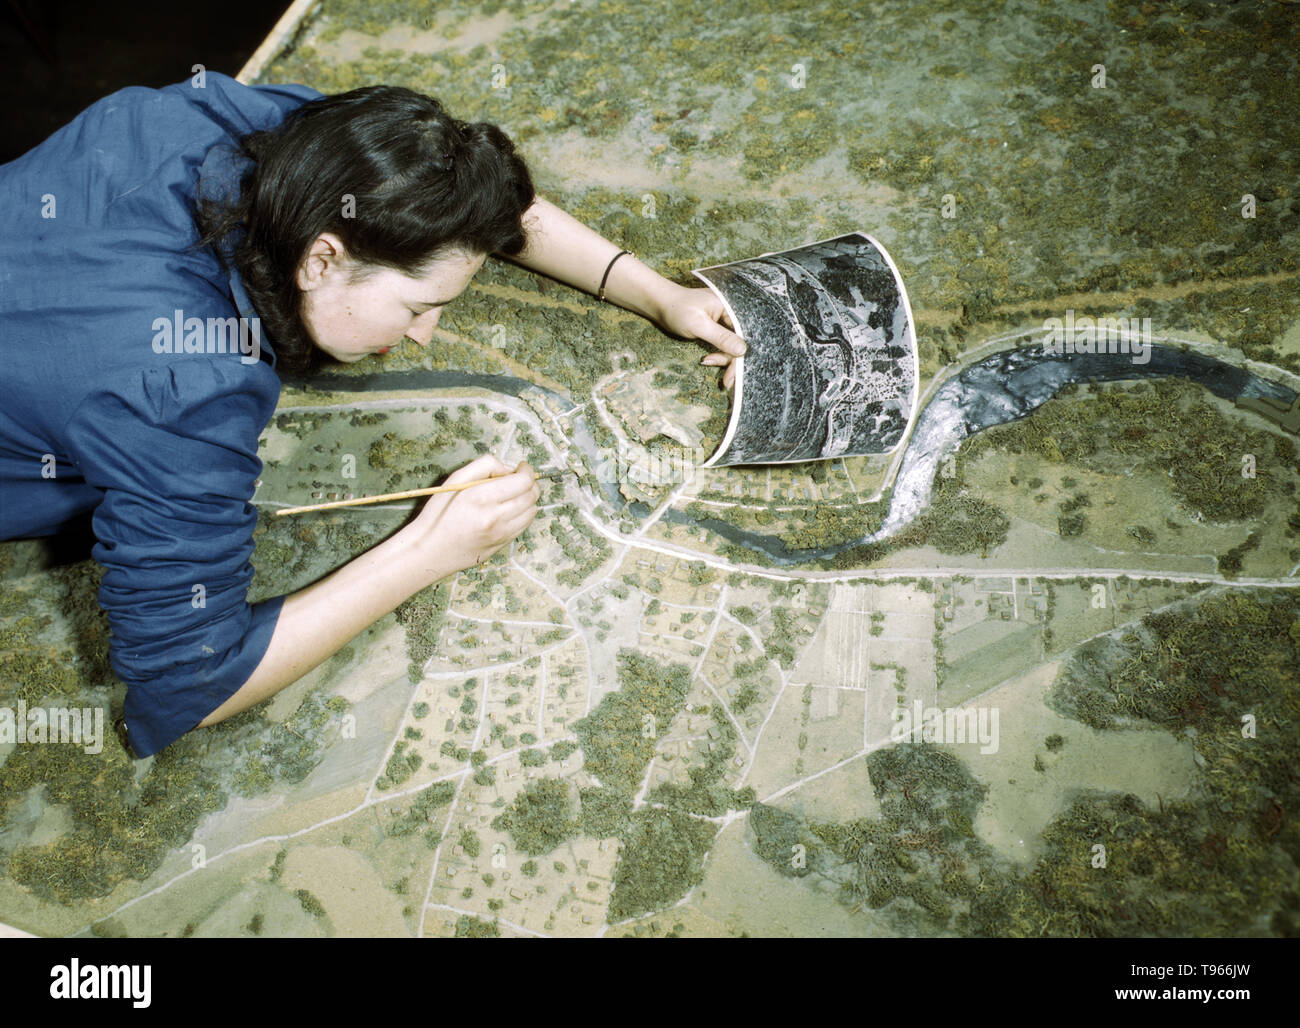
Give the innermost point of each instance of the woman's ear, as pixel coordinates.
(327, 256)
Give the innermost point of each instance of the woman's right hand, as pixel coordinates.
(465, 528)
(453, 532)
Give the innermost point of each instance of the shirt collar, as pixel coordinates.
(219, 179)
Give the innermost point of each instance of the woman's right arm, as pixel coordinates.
(174, 452)
(454, 531)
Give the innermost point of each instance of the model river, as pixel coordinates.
(1001, 388)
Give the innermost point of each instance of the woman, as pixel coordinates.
(167, 253)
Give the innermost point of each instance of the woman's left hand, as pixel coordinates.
(699, 314)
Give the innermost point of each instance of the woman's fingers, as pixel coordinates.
(721, 360)
(513, 506)
(521, 520)
(486, 466)
(518, 489)
(721, 338)
(476, 522)
(505, 486)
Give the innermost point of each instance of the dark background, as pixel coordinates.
(57, 57)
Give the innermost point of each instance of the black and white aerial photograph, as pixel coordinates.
(831, 369)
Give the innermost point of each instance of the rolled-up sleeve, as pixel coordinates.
(175, 452)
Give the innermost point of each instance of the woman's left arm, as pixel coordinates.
(563, 248)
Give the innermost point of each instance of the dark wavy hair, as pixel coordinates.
(423, 184)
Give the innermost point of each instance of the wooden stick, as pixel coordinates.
(409, 494)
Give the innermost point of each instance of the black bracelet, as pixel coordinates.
(600, 293)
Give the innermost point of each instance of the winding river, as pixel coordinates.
(1001, 388)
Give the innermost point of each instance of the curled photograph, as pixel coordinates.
(831, 369)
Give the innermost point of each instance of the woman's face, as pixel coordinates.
(351, 317)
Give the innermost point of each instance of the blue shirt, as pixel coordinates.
(99, 411)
